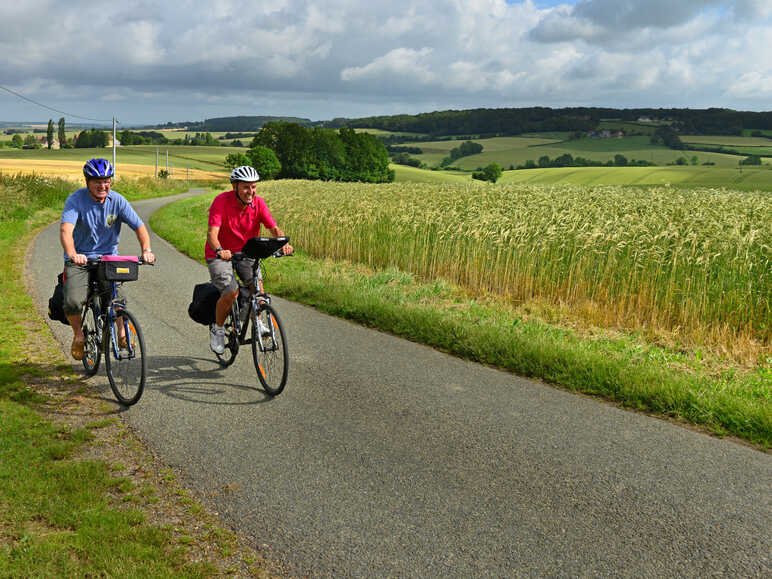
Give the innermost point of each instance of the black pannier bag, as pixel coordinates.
(202, 309)
(56, 302)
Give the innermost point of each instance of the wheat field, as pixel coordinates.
(694, 264)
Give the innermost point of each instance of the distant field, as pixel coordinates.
(727, 140)
(406, 174)
(390, 133)
(746, 179)
(206, 159)
(513, 151)
(74, 169)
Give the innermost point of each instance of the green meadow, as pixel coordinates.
(510, 152)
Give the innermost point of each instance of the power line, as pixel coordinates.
(21, 96)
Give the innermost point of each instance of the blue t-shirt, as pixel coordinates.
(98, 225)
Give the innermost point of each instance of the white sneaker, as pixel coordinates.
(262, 329)
(217, 339)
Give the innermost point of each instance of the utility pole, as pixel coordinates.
(156, 163)
(114, 122)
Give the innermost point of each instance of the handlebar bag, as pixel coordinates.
(118, 268)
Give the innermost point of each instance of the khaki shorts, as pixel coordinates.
(221, 272)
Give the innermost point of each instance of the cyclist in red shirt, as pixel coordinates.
(234, 217)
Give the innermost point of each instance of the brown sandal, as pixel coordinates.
(78, 349)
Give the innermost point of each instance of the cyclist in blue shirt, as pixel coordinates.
(91, 227)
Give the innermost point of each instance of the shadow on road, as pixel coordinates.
(199, 380)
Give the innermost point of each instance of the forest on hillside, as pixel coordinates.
(516, 121)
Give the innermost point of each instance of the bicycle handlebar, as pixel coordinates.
(92, 262)
(238, 255)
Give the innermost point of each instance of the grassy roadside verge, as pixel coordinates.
(79, 495)
(625, 369)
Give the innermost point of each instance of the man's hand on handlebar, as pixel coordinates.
(78, 259)
(225, 254)
(287, 249)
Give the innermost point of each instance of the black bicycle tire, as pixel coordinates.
(92, 309)
(231, 340)
(108, 349)
(256, 353)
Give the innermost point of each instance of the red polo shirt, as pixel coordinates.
(236, 222)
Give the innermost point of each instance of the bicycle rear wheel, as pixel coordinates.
(93, 348)
(126, 366)
(269, 350)
(231, 340)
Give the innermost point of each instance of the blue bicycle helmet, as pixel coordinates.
(98, 169)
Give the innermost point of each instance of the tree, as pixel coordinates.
(17, 141)
(50, 134)
(620, 160)
(62, 134)
(91, 138)
(31, 142)
(751, 160)
(264, 160)
(233, 160)
(491, 173)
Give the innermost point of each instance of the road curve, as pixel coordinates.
(386, 458)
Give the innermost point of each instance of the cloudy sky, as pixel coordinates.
(148, 62)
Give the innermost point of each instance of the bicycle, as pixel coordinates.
(124, 352)
(269, 345)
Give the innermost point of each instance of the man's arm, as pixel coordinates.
(68, 244)
(144, 243)
(213, 239)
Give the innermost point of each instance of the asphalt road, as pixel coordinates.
(386, 458)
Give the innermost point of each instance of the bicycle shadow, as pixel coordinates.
(194, 379)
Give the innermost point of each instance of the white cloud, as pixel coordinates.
(345, 58)
(400, 62)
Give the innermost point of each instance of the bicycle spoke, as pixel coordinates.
(125, 359)
(92, 351)
(269, 350)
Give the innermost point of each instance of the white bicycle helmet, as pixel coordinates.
(244, 173)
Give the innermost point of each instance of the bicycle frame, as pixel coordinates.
(109, 307)
(257, 298)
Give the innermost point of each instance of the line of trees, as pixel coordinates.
(567, 160)
(317, 153)
(91, 138)
(515, 121)
(464, 150)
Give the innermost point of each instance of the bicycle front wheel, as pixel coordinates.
(269, 350)
(91, 330)
(125, 359)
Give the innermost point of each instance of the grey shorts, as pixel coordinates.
(221, 272)
(76, 288)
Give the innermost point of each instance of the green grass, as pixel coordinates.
(57, 514)
(673, 382)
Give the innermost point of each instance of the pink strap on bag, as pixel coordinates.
(133, 258)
